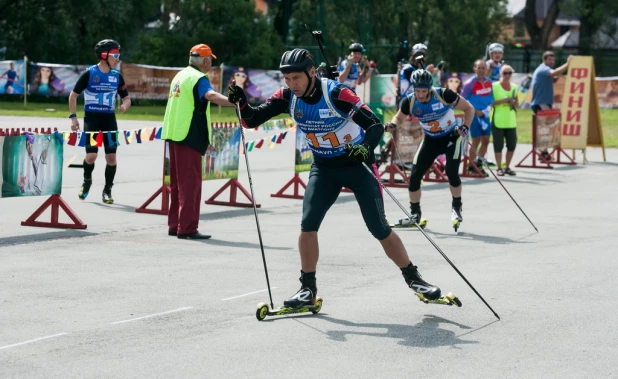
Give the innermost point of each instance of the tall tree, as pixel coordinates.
(236, 33)
(539, 35)
(65, 31)
(596, 17)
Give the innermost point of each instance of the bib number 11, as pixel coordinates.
(105, 98)
(332, 137)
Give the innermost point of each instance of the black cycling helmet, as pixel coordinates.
(356, 47)
(421, 79)
(297, 60)
(105, 45)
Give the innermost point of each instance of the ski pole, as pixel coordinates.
(507, 191)
(405, 211)
(257, 220)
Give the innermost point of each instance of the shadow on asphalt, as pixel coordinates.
(426, 333)
(40, 237)
(478, 237)
(244, 245)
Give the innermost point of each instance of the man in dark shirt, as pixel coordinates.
(342, 133)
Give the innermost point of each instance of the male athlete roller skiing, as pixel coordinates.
(342, 133)
(434, 108)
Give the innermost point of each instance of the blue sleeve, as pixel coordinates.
(466, 90)
(203, 86)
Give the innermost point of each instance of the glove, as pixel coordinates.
(390, 126)
(236, 95)
(359, 153)
(463, 130)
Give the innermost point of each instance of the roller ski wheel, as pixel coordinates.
(450, 299)
(264, 310)
(456, 225)
(399, 225)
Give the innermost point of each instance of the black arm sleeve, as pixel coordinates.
(404, 106)
(277, 104)
(82, 82)
(122, 88)
(348, 102)
(450, 96)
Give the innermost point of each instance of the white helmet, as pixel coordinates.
(419, 46)
(496, 47)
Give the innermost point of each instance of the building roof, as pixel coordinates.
(542, 7)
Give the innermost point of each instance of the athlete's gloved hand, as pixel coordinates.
(359, 153)
(236, 95)
(463, 130)
(390, 126)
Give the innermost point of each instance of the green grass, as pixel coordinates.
(609, 120)
(609, 117)
(136, 112)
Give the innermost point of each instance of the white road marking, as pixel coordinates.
(153, 315)
(247, 294)
(34, 340)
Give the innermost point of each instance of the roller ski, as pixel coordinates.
(456, 217)
(426, 292)
(304, 301)
(408, 223)
(412, 222)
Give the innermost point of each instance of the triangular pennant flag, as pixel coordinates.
(66, 135)
(251, 146)
(110, 139)
(59, 136)
(116, 137)
(159, 133)
(259, 144)
(281, 137)
(138, 136)
(99, 139)
(72, 139)
(128, 136)
(82, 139)
(273, 138)
(93, 142)
(153, 134)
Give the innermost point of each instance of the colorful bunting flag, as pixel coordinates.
(110, 139)
(99, 139)
(159, 133)
(59, 136)
(259, 144)
(116, 133)
(72, 139)
(128, 136)
(82, 139)
(138, 136)
(153, 134)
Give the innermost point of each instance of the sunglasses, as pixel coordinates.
(115, 56)
(507, 73)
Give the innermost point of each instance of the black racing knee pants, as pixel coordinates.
(104, 122)
(429, 150)
(324, 186)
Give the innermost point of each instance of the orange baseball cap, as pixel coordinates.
(201, 50)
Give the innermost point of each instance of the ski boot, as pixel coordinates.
(456, 216)
(412, 222)
(427, 293)
(83, 192)
(107, 195)
(305, 300)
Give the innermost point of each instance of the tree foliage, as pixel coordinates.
(65, 31)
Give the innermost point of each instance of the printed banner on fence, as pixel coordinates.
(409, 138)
(51, 79)
(12, 77)
(303, 155)
(31, 165)
(153, 82)
(221, 160)
(547, 129)
(259, 85)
